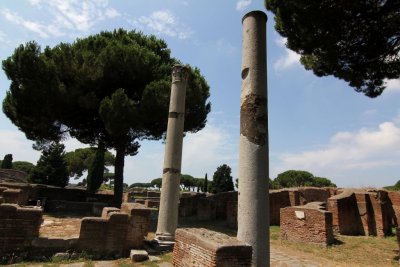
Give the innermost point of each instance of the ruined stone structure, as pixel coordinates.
(362, 212)
(202, 247)
(18, 227)
(310, 223)
(168, 213)
(253, 150)
(112, 235)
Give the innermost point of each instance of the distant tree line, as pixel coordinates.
(297, 178)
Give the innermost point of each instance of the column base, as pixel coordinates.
(163, 243)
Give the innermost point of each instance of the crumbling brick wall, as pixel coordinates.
(232, 208)
(346, 219)
(202, 247)
(116, 232)
(278, 199)
(394, 199)
(381, 212)
(138, 224)
(313, 194)
(307, 224)
(206, 209)
(104, 235)
(221, 201)
(15, 193)
(18, 227)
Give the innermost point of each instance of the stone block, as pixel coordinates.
(139, 255)
(202, 247)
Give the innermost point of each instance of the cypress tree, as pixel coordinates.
(7, 162)
(96, 170)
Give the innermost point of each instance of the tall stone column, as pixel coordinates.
(169, 199)
(253, 207)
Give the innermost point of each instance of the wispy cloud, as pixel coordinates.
(163, 22)
(288, 60)
(27, 24)
(242, 4)
(364, 149)
(67, 16)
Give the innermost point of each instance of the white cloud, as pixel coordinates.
(365, 149)
(68, 16)
(393, 85)
(288, 60)
(163, 22)
(15, 143)
(242, 4)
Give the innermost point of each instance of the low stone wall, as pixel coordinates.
(116, 232)
(202, 247)
(104, 236)
(18, 227)
(307, 224)
(81, 208)
(138, 224)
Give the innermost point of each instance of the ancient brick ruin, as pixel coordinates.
(310, 223)
(112, 234)
(202, 247)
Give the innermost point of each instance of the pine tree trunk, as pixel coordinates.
(119, 174)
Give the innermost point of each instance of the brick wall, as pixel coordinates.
(381, 212)
(278, 199)
(367, 226)
(306, 224)
(221, 201)
(394, 199)
(346, 219)
(312, 194)
(206, 209)
(18, 227)
(232, 208)
(138, 224)
(202, 247)
(105, 236)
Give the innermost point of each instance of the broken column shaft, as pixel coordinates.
(253, 208)
(169, 199)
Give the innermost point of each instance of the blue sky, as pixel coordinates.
(316, 124)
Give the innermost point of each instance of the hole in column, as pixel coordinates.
(245, 72)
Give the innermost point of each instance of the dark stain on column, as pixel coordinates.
(253, 119)
(173, 115)
(171, 170)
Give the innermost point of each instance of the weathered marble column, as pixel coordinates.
(253, 208)
(168, 212)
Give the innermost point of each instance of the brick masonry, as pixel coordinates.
(307, 224)
(202, 247)
(18, 227)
